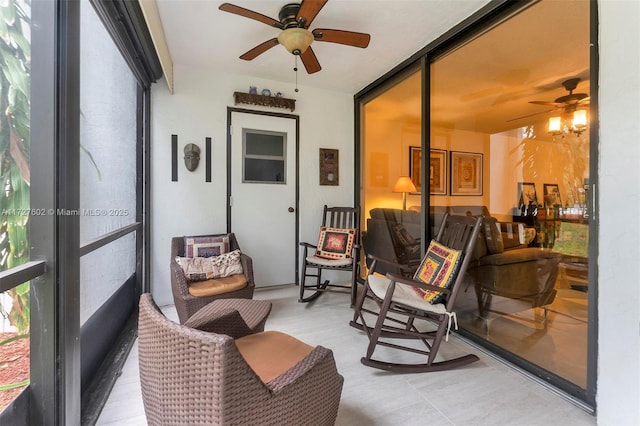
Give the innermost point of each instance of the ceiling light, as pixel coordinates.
(579, 123)
(295, 40)
(575, 122)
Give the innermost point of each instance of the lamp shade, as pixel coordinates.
(580, 119)
(295, 40)
(404, 184)
(555, 125)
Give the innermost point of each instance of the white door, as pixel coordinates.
(263, 194)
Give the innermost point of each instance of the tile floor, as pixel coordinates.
(487, 392)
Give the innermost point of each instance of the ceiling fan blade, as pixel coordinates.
(350, 38)
(553, 104)
(310, 61)
(308, 11)
(259, 49)
(231, 8)
(531, 115)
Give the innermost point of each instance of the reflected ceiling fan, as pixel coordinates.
(294, 21)
(567, 103)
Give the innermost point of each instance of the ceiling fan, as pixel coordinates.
(294, 21)
(568, 103)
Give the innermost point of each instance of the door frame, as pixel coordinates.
(230, 111)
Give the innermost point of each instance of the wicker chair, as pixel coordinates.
(189, 376)
(187, 304)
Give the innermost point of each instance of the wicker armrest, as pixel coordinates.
(178, 278)
(317, 357)
(247, 267)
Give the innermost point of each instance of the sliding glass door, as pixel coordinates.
(507, 136)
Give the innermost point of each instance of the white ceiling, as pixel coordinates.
(486, 83)
(200, 35)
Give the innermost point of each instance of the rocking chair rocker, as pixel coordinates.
(399, 304)
(338, 249)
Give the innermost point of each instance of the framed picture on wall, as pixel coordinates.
(551, 195)
(466, 173)
(527, 193)
(329, 167)
(415, 166)
(438, 172)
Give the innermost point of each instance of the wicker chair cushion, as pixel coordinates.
(284, 352)
(217, 286)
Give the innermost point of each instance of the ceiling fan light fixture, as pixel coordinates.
(555, 125)
(295, 40)
(579, 123)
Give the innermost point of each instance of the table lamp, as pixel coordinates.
(404, 185)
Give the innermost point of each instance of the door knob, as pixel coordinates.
(291, 209)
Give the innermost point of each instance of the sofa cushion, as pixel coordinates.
(284, 353)
(335, 243)
(492, 235)
(438, 268)
(206, 268)
(206, 246)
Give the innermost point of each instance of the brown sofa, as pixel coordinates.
(508, 275)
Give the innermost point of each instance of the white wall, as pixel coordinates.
(198, 109)
(618, 383)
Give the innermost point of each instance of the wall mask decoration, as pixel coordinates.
(191, 156)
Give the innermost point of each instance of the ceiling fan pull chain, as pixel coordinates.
(295, 68)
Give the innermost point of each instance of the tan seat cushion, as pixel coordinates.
(217, 286)
(271, 353)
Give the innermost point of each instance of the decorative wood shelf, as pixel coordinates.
(270, 101)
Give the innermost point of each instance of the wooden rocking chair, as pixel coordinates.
(399, 304)
(338, 251)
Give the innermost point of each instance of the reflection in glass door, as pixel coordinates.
(515, 131)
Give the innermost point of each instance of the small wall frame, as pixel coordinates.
(329, 170)
(466, 173)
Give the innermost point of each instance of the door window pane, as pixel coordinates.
(263, 156)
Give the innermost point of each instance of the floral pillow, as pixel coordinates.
(207, 268)
(438, 268)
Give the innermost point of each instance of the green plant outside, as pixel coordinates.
(15, 62)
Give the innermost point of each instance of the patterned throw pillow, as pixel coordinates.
(438, 268)
(335, 243)
(207, 268)
(206, 246)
